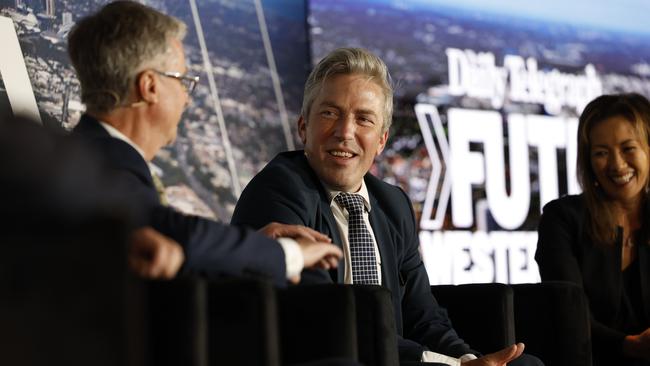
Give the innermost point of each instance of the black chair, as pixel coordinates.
(176, 315)
(243, 323)
(482, 314)
(376, 329)
(552, 319)
(317, 322)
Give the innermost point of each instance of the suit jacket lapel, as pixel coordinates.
(380, 227)
(329, 226)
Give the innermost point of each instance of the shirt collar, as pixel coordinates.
(363, 192)
(114, 132)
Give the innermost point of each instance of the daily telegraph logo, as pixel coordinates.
(519, 80)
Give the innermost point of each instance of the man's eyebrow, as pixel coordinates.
(361, 111)
(327, 103)
(365, 111)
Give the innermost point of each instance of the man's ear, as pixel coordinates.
(302, 129)
(147, 85)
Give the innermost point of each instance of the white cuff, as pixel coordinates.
(468, 357)
(292, 256)
(428, 356)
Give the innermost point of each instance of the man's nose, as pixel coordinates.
(345, 127)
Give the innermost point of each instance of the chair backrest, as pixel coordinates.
(552, 319)
(376, 329)
(243, 323)
(177, 319)
(482, 314)
(318, 322)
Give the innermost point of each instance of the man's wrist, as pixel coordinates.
(467, 357)
(293, 258)
(428, 356)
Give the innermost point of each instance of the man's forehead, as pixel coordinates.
(370, 94)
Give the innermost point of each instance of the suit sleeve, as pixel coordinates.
(425, 321)
(557, 236)
(211, 248)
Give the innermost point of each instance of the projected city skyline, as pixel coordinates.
(252, 60)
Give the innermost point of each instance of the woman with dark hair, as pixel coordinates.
(600, 239)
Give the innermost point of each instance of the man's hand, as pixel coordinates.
(153, 255)
(318, 255)
(499, 358)
(638, 346)
(276, 230)
(316, 248)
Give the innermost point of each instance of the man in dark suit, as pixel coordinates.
(344, 124)
(130, 62)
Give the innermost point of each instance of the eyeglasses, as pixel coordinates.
(187, 81)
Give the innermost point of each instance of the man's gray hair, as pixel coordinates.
(350, 61)
(109, 48)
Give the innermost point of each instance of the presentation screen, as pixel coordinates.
(488, 95)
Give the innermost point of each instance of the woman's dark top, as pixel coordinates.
(631, 319)
(618, 300)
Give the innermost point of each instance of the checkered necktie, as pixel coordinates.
(362, 249)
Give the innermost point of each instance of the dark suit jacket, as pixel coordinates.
(565, 252)
(287, 190)
(210, 247)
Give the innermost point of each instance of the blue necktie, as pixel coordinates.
(362, 249)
